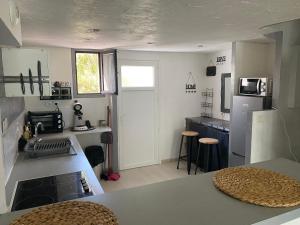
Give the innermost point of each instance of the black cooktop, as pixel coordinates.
(47, 190)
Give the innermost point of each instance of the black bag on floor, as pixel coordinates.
(94, 154)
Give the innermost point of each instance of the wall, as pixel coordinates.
(215, 81)
(287, 37)
(12, 109)
(174, 104)
(60, 68)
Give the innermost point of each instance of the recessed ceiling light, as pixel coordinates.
(194, 5)
(200, 46)
(93, 30)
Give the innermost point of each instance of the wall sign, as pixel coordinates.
(190, 86)
(221, 59)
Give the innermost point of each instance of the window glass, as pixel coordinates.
(87, 73)
(137, 76)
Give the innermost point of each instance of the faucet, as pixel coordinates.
(36, 129)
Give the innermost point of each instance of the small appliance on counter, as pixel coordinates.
(48, 190)
(255, 86)
(79, 123)
(52, 121)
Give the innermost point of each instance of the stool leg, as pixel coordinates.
(219, 157)
(197, 160)
(208, 158)
(180, 152)
(189, 154)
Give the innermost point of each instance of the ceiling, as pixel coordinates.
(159, 25)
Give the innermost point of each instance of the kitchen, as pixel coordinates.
(175, 95)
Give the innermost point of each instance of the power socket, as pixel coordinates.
(4, 125)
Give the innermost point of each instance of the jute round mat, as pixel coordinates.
(258, 186)
(68, 213)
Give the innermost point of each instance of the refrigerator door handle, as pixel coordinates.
(236, 154)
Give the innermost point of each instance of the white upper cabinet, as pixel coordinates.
(25, 72)
(10, 23)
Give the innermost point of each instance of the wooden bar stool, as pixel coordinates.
(190, 135)
(209, 143)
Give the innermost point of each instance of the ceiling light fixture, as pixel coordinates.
(150, 43)
(200, 46)
(93, 30)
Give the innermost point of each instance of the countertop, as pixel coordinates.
(190, 200)
(211, 122)
(26, 168)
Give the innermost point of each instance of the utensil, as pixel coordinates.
(39, 71)
(31, 82)
(22, 84)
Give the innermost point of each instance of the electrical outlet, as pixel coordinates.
(4, 125)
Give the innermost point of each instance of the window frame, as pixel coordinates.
(101, 85)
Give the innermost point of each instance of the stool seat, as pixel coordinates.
(209, 141)
(190, 133)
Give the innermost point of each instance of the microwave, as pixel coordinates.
(255, 86)
(52, 121)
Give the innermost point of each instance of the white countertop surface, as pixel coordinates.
(26, 168)
(191, 200)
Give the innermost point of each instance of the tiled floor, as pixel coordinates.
(146, 175)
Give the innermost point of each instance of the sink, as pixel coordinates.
(44, 147)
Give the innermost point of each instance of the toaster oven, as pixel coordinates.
(52, 121)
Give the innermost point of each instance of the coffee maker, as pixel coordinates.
(78, 121)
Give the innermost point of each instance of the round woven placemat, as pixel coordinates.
(68, 213)
(258, 186)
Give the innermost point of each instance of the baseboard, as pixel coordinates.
(168, 160)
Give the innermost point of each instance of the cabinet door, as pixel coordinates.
(19, 61)
(109, 83)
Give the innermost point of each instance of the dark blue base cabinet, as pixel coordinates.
(207, 131)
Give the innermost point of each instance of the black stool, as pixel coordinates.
(190, 135)
(209, 143)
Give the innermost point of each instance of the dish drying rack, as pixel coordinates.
(207, 104)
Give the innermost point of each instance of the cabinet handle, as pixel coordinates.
(22, 83)
(31, 82)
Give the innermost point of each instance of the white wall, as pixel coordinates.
(60, 69)
(215, 81)
(174, 104)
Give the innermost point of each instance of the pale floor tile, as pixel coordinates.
(147, 175)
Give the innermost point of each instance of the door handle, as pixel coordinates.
(236, 154)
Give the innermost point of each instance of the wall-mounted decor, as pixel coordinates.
(211, 71)
(221, 59)
(190, 86)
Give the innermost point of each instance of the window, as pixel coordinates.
(137, 76)
(94, 72)
(87, 73)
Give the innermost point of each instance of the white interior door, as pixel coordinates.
(138, 114)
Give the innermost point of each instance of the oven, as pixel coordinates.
(52, 121)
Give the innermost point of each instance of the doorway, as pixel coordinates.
(138, 114)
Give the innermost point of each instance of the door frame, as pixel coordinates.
(131, 62)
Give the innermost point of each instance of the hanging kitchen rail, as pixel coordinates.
(26, 79)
